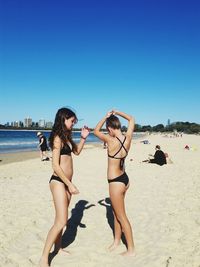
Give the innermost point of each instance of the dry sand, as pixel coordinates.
(163, 205)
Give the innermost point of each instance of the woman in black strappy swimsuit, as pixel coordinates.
(60, 183)
(118, 147)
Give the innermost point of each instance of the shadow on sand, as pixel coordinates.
(73, 223)
(110, 217)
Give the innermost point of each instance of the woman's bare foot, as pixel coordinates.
(129, 253)
(113, 246)
(43, 263)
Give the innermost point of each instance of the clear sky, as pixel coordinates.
(142, 57)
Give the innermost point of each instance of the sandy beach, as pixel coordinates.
(7, 158)
(162, 204)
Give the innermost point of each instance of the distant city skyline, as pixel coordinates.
(141, 57)
(29, 122)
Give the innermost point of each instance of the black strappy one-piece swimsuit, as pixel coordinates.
(124, 177)
(66, 150)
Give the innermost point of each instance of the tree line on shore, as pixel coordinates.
(185, 127)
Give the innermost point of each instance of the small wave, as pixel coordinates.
(18, 143)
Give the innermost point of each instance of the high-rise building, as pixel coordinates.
(49, 124)
(21, 124)
(27, 122)
(15, 123)
(41, 123)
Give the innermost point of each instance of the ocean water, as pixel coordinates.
(27, 140)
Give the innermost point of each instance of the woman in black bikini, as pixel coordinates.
(118, 147)
(61, 185)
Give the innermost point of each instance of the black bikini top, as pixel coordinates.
(66, 150)
(123, 158)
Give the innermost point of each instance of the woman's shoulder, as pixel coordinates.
(57, 141)
(111, 139)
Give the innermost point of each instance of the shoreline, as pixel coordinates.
(7, 158)
(19, 156)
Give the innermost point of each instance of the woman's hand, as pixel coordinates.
(114, 112)
(109, 113)
(85, 132)
(72, 189)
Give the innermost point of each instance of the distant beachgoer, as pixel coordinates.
(118, 146)
(43, 146)
(104, 145)
(146, 142)
(60, 183)
(158, 158)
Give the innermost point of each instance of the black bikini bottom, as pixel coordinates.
(54, 177)
(122, 179)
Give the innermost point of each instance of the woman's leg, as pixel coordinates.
(58, 242)
(61, 207)
(117, 193)
(117, 233)
(44, 154)
(41, 155)
(117, 228)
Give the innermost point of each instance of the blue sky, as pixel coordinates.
(142, 57)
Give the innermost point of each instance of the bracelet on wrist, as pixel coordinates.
(83, 137)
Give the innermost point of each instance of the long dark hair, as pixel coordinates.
(113, 122)
(59, 128)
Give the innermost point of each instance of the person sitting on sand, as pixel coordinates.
(158, 158)
(104, 145)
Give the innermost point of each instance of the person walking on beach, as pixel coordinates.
(43, 146)
(118, 146)
(61, 185)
